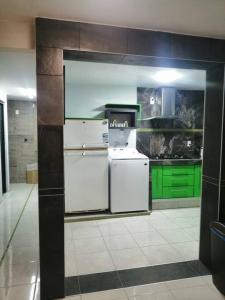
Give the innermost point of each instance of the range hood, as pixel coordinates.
(167, 119)
(168, 102)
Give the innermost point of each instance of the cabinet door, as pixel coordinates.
(178, 180)
(157, 182)
(178, 170)
(178, 192)
(198, 181)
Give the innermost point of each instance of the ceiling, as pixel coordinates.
(197, 17)
(17, 74)
(78, 72)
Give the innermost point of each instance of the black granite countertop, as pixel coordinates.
(175, 162)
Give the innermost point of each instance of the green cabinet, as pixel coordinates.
(178, 170)
(178, 192)
(182, 180)
(198, 180)
(176, 181)
(157, 186)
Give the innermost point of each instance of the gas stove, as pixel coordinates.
(170, 156)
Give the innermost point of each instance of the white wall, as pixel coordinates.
(87, 101)
(3, 99)
(17, 34)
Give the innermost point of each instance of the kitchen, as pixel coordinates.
(146, 121)
(133, 139)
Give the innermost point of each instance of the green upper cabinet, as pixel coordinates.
(176, 181)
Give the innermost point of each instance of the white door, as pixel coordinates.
(85, 134)
(129, 185)
(86, 180)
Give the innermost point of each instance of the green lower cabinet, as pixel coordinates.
(176, 181)
(178, 192)
(182, 180)
(157, 191)
(198, 181)
(178, 170)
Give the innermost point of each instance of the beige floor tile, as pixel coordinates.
(11, 275)
(175, 236)
(146, 289)
(185, 283)
(188, 250)
(94, 263)
(113, 229)
(90, 245)
(129, 258)
(106, 295)
(197, 293)
(149, 238)
(118, 242)
(154, 296)
(162, 254)
(21, 292)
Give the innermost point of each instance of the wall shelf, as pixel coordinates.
(190, 130)
(136, 107)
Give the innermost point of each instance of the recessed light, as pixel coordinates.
(167, 76)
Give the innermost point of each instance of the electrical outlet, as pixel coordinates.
(189, 143)
(152, 100)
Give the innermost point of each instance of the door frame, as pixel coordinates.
(88, 42)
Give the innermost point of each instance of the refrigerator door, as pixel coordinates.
(129, 185)
(86, 180)
(85, 134)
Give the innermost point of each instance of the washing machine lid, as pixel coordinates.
(125, 153)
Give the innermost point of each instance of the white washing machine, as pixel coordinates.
(129, 180)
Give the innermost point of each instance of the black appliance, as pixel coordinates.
(218, 255)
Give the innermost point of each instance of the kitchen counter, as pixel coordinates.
(175, 162)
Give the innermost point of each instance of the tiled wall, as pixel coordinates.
(22, 121)
(189, 108)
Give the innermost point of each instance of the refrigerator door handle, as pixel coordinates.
(93, 154)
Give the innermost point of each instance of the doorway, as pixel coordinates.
(171, 233)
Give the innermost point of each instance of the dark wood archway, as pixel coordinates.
(55, 38)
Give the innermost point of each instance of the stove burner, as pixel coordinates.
(170, 156)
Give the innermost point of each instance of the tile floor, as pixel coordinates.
(11, 207)
(165, 236)
(103, 245)
(196, 288)
(19, 268)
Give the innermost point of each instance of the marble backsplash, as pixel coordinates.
(189, 109)
(184, 144)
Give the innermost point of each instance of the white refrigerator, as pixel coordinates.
(129, 180)
(86, 165)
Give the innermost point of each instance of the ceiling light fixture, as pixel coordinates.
(167, 76)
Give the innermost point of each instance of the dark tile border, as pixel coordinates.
(131, 277)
